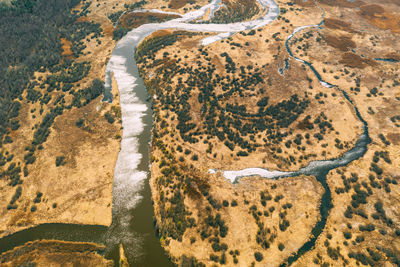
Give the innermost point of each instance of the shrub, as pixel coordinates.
(60, 161)
(258, 256)
(119, 33)
(360, 239)
(347, 235)
(110, 118)
(369, 227)
(38, 197)
(242, 154)
(16, 195)
(223, 231)
(12, 206)
(216, 247)
(284, 225)
(224, 246)
(222, 259)
(26, 173)
(214, 257)
(79, 123)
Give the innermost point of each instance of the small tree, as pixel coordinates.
(60, 161)
(79, 122)
(258, 256)
(110, 118)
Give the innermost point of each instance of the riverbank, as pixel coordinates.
(79, 191)
(55, 253)
(180, 179)
(373, 87)
(183, 154)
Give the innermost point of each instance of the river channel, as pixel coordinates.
(132, 223)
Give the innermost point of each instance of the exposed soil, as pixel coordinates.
(66, 47)
(135, 19)
(394, 56)
(342, 3)
(306, 3)
(355, 61)
(177, 4)
(381, 18)
(371, 10)
(341, 42)
(337, 24)
(373, 87)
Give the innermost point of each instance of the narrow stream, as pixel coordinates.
(132, 223)
(319, 169)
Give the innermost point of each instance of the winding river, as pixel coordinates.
(132, 111)
(131, 194)
(132, 223)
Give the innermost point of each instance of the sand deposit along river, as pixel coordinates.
(132, 223)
